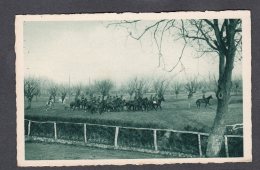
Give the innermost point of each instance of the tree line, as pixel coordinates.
(133, 88)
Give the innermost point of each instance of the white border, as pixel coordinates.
(246, 27)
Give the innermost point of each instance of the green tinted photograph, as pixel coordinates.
(135, 88)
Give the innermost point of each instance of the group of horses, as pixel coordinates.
(116, 104)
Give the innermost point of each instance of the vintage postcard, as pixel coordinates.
(133, 88)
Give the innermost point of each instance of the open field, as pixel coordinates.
(45, 151)
(175, 114)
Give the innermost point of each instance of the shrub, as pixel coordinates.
(42, 129)
(70, 131)
(136, 138)
(100, 135)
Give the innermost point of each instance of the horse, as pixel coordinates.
(145, 104)
(157, 103)
(204, 100)
(75, 104)
(49, 104)
(130, 105)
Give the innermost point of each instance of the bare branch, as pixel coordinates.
(209, 23)
(146, 29)
(179, 60)
(206, 38)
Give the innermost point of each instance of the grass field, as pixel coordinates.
(45, 151)
(175, 114)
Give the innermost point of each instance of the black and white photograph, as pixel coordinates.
(133, 88)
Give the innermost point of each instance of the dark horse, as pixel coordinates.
(157, 103)
(75, 104)
(204, 100)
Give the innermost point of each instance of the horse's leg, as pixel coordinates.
(160, 106)
(100, 111)
(155, 107)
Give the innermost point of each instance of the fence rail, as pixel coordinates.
(117, 129)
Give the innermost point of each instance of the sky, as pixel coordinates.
(88, 50)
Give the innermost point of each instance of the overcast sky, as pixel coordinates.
(88, 50)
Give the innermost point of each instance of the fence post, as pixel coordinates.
(85, 133)
(29, 128)
(155, 140)
(55, 130)
(226, 146)
(116, 136)
(199, 141)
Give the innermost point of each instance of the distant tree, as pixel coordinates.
(236, 85)
(104, 87)
(131, 87)
(78, 89)
(53, 90)
(141, 88)
(90, 90)
(203, 86)
(63, 91)
(31, 89)
(38, 92)
(176, 88)
(213, 83)
(160, 87)
(191, 86)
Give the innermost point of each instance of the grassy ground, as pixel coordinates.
(175, 113)
(45, 151)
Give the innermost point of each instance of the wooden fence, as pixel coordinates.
(117, 129)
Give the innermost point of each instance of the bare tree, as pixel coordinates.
(213, 83)
(160, 87)
(63, 91)
(53, 90)
(31, 89)
(141, 87)
(104, 86)
(237, 85)
(204, 86)
(90, 90)
(78, 90)
(191, 86)
(38, 92)
(176, 88)
(131, 87)
(222, 38)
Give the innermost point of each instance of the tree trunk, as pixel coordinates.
(29, 104)
(226, 64)
(215, 139)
